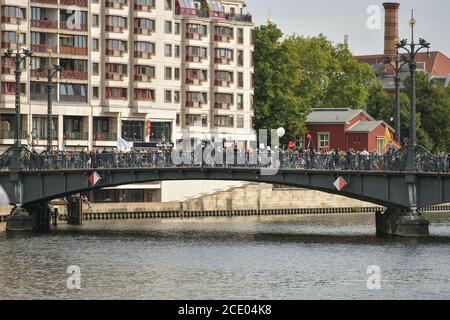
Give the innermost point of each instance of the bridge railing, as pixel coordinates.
(282, 160)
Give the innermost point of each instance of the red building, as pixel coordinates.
(344, 129)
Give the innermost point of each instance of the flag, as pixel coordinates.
(123, 145)
(340, 183)
(94, 178)
(390, 142)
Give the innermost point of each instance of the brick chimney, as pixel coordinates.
(390, 28)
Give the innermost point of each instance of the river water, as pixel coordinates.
(300, 257)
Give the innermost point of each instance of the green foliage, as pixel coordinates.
(296, 74)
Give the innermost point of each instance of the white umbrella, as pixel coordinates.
(4, 199)
(124, 145)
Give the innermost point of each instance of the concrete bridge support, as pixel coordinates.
(401, 222)
(36, 217)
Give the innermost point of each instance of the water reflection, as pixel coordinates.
(295, 257)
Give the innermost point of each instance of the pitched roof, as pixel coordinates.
(364, 126)
(337, 116)
(435, 63)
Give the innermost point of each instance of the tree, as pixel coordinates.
(275, 102)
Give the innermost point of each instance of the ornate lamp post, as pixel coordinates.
(18, 57)
(396, 64)
(50, 71)
(412, 49)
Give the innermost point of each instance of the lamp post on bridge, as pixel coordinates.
(50, 71)
(18, 57)
(397, 65)
(412, 50)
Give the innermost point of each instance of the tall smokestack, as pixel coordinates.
(390, 28)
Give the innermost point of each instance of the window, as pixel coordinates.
(95, 20)
(141, 23)
(95, 68)
(10, 88)
(224, 98)
(11, 37)
(161, 131)
(168, 96)
(133, 130)
(95, 44)
(147, 47)
(168, 73)
(240, 101)
(197, 52)
(117, 68)
(168, 4)
(176, 96)
(240, 79)
(194, 120)
(200, 29)
(240, 122)
(144, 94)
(224, 31)
(116, 21)
(72, 92)
(168, 50)
(168, 27)
(116, 93)
(144, 71)
(95, 92)
(148, 3)
(324, 140)
(240, 36)
(177, 28)
(114, 44)
(224, 54)
(177, 121)
(176, 72)
(240, 58)
(224, 76)
(177, 51)
(40, 127)
(14, 12)
(381, 147)
(224, 121)
(200, 97)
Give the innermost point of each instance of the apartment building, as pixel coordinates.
(143, 70)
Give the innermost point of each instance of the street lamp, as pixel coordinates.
(51, 71)
(396, 64)
(412, 49)
(18, 57)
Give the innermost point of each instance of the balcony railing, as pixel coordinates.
(43, 135)
(76, 135)
(10, 134)
(115, 53)
(45, 1)
(139, 7)
(74, 98)
(12, 45)
(78, 3)
(221, 38)
(143, 77)
(194, 36)
(143, 31)
(142, 54)
(43, 48)
(76, 75)
(105, 136)
(115, 28)
(194, 58)
(75, 27)
(223, 60)
(12, 20)
(114, 76)
(114, 5)
(47, 24)
(7, 70)
(73, 50)
(222, 105)
(213, 14)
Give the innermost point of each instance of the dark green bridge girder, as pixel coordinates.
(389, 189)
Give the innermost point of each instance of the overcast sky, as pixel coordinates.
(336, 18)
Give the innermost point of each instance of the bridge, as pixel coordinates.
(382, 180)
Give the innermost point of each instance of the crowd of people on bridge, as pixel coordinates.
(308, 159)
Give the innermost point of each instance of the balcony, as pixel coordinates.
(12, 20)
(75, 75)
(41, 74)
(142, 54)
(43, 48)
(76, 136)
(114, 5)
(45, 24)
(143, 78)
(114, 76)
(223, 60)
(193, 104)
(222, 38)
(195, 81)
(7, 70)
(223, 83)
(145, 32)
(213, 14)
(222, 105)
(80, 27)
(45, 1)
(73, 51)
(10, 135)
(111, 28)
(194, 36)
(139, 7)
(194, 58)
(115, 53)
(78, 3)
(43, 135)
(105, 136)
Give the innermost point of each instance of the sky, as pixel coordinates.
(337, 18)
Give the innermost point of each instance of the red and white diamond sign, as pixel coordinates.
(94, 178)
(340, 183)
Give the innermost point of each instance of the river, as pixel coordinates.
(295, 257)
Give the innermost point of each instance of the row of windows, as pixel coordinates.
(198, 120)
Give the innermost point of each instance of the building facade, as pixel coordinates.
(345, 129)
(143, 70)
